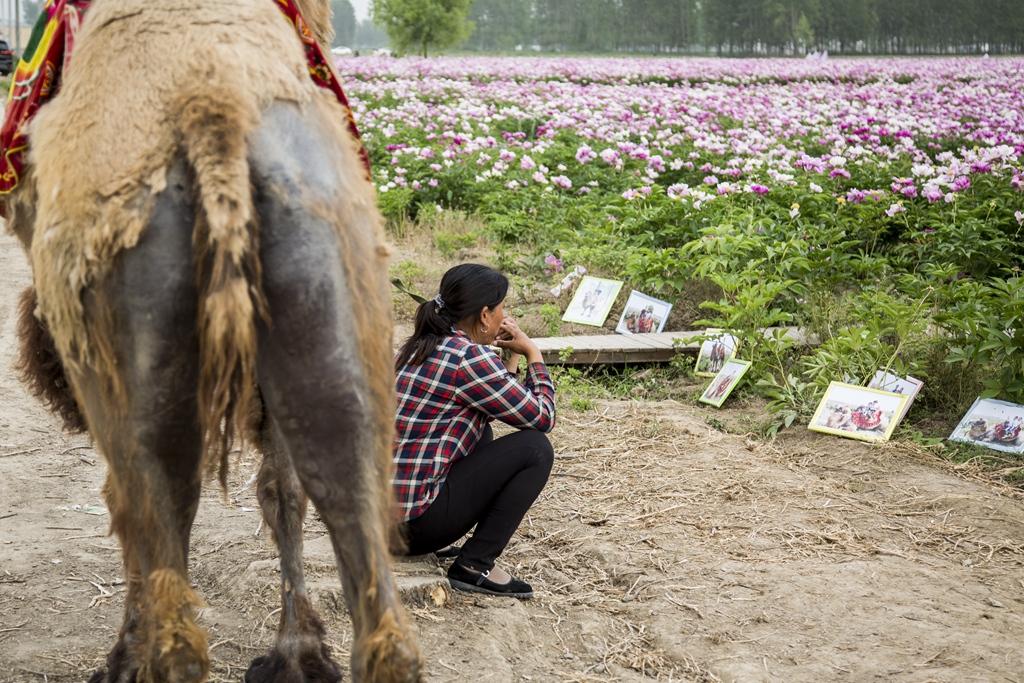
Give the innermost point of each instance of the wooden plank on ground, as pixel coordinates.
(633, 348)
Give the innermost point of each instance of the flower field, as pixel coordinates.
(878, 203)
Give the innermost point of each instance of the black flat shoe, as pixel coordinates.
(471, 582)
(449, 553)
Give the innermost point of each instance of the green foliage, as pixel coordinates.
(934, 292)
(987, 330)
(451, 243)
(552, 316)
(397, 205)
(422, 25)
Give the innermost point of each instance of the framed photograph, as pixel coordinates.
(592, 302)
(886, 381)
(858, 412)
(714, 352)
(993, 424)
(724, 382)
(643, 314)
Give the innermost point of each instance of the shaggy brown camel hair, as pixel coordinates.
(208, 264)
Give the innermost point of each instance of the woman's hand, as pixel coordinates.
(515, 340)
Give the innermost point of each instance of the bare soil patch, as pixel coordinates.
(661, 549)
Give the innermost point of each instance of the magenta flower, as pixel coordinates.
(584, 154)
(710, 180)
(839, 173)
(856, 196)
(932, 193)
(552, 264)
(961, 183)
(760, 189)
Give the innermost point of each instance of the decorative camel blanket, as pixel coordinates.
(37, 78)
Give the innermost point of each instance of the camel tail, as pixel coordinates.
(214, 131)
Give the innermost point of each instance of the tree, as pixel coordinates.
(423, 24)
(501, 24)
(343, 19)
(369, 35)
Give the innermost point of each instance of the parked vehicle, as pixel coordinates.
(6, 58)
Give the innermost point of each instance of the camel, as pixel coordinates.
(209, 266)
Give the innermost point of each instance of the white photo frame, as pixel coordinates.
(592, 301)
(715, 352)
(643, 314)
(908, 386)
(989, 423)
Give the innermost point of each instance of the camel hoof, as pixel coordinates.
(310, 667)
(103, 676)
(119, 668)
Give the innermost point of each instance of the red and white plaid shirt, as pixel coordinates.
(445, 403)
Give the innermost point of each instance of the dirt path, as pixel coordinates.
(662, 548)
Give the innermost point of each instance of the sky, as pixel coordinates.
(362, 8)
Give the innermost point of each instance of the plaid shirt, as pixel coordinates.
(445, 403)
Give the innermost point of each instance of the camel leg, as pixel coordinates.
(324, 367)
(151, 440)
(299, 653)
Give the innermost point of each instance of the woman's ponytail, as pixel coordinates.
(431, 326)
(465, 291)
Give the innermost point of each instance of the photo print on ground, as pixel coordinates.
(908, 386)
(714, 352)
(858, 412)
(643, 314)
(989, 423)
(593, 301)
(724, 382)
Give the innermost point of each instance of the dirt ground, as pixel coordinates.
(662, 549)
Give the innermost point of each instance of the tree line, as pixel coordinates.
(751, 27)
(721, 27)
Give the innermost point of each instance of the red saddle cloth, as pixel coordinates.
(37, 79)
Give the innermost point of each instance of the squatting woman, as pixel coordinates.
(451, 473)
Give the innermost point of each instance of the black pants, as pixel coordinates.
(491, 488)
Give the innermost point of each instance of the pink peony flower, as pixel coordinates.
(894, 209)
(1019, 215)
(552, 264)
(584, 154)
(759, 189)
(932, 193)
(562, 182)
(961, 183)
(909, 191)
